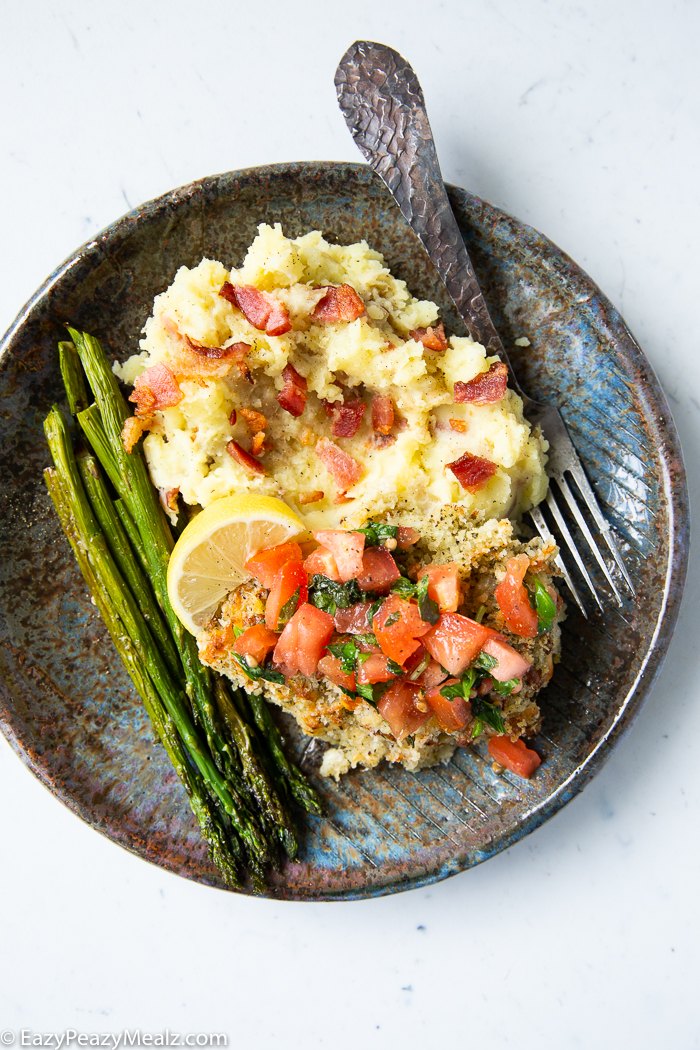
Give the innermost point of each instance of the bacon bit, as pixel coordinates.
(246, 373)
(261, 310)
(155, 389)
(380, 441)
(292, 397)
(255, 420)
(257, 445)
(194, 360)
(486, 389)
(472, 472)
(346, 416)
(459, 425)
(310, 497)
(248, 462)
(168, 500)
(339, 304)
(307, 436)
(431, 338)
(207, 351)
(406, 537)
(382, 414)
(233, 417)
(345, 470)
(132, 430)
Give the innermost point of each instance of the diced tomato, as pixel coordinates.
(303, 640)
(514, 755)
(406, 537)
(339, 304)
(455, 641)
(256, 641)
(452, 715)
(265, 564)
(433, 675)
(513, 599)
(415, 659)
(444, 586)
(290, 578)
(379, 570)
(510, 663)
(346, 548)
(331, 667)
(353, 620)
(322, 562)
(346, 471)
(400, 708)
(397, 627)
(375, 669)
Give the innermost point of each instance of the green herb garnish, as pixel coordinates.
(255, 673)
(391, 620)
(484, 712)
(288, 610)
(541, 601)
(428, 609)
(505, 688)
(375, 533)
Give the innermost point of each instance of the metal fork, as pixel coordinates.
(383, 105)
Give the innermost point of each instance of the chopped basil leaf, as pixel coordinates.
(485, 662)
(354, 592)
(393, 667)
(462, 688)
(541, 600)
(392, 619)
(376, 533)
(403, 587)
(483, 711)
(346, 652)
(374, 610)
(327, 595)
(429, 609)
(255, 673)
(288, 609)
(505, 688)
(367, 639)
(237, 632)
(365, 691)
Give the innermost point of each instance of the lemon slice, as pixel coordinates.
(208, 559)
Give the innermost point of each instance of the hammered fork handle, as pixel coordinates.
(383, 105)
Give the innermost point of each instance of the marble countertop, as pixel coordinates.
(580, 119)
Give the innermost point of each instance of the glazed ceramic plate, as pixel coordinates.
(68, 708)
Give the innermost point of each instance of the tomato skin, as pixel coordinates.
(513, 599)
(433, 675)
(303, 640)
(290, 577)
(330, 666)
(399, 639)
(322, 562)
(353, 620)
(510, 663)
(399, 708)
(514, 755)
(452, 715)
(456, 640)
(256, 641)
(346, 548)
(265, 564)
(379, 570)
(375, 669)
(444, 587)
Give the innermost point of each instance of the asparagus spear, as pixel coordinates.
(225, 849)
(73, 378)
(131, 531)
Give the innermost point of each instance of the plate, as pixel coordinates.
(68, 708)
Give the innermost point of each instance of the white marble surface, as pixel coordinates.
(580, 119)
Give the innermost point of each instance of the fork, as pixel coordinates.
(383, 105)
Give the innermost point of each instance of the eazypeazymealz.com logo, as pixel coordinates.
(113, 1040)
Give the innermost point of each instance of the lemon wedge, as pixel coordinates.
(208, 559)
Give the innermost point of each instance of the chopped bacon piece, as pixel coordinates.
(248, 462)
(346, 416)
(257, 445)
(208, 351)
(256, 641)
(486, 389)
(404, 708)
(346, 470)
(310, 497)
(472, 472)
(255, 420)
(246, 373)
(233, 417)
(382, 414)
(261, 310)
(339, 304)
(407, 536)
(155, 389)
(353, 620)
(168, 500)
(322, 562)
(378, 572)
(292, 397)
(460, 425)
(132, 430)
(380, 441)
(431, 338)
(346, 548)
(189, 361)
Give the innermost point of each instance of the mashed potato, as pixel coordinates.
(374, 354)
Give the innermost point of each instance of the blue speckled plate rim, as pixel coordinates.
(675, 489)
